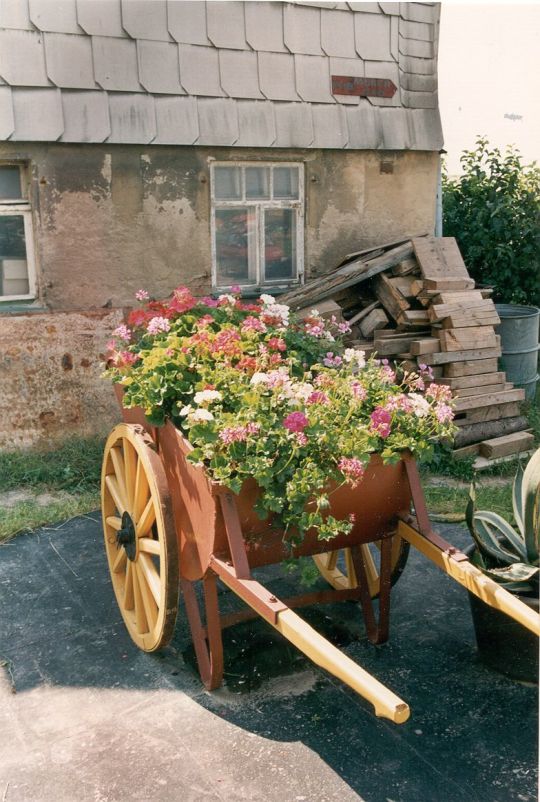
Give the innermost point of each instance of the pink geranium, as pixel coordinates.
(318, 397)
(351, 468)
(296, 422)
(182, 300)
(380, 421)
(158, 324)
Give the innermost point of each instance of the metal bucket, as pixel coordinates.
(519, 341)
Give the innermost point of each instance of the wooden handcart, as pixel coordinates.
(168, 527)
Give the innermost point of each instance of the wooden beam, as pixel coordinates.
(495, 412)
(466, 338)
(475, 432)
(466, 355)
(470, 367)
(461, 382)
(391, 298)
(507, 444)
(488, 400)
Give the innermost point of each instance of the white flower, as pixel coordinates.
(207, 396)
(354, 355)
(186, 410)
(229, 298)
(420, 406)
(267, 299)
(302, 390)
(259, 378)
(201, 415)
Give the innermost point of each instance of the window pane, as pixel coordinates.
(257, 182)
(236, 247)
(227, 183)
(286, 182)
(10, 183)
(280, 244)
(13, 267)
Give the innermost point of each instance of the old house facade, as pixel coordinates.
(152, 143)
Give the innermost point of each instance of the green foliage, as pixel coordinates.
(493, 211)
(510, 557)
(76, 465)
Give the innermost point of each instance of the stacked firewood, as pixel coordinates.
(414, 302)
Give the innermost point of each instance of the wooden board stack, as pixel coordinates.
(414, 302)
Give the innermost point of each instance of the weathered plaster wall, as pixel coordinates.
(50, 377)
(109, 220)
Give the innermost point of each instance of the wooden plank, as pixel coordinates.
(449, 284)
(440, 311)
(489, 399)
(326, 309)
(465, 392)
(388, 346)
(347, 276)
(363, 313)
(377, 319)
(391, 298)
(473, 380)
(429, 345)
(462, 356)
(482, 463)
(466, 451)
(414, 318)
(376, 249)
(507, 444)
(461, 297)
(408, 286)
(470, 367)
(510, 410)
(476, 432)
(406, 267)
(439, 258)
(468, 318)
(467, 338)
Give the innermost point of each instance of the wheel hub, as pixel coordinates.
(126, 536)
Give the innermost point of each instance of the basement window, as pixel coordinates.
(257, 224)
(17, 271)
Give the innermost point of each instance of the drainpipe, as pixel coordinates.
(438, 199)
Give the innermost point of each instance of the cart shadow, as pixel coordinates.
(471, 735)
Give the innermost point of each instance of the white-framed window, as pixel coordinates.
(17, 263)
(257, 224)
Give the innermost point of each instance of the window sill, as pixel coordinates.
(19, 307)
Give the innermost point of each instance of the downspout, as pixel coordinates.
(438, 199)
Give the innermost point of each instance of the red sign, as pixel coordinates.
(363, 87)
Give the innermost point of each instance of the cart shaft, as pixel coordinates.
(472, 578)
(313, 645)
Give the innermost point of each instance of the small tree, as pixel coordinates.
(493, 211)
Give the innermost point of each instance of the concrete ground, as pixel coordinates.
(86, 717)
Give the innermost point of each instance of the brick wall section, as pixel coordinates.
(50, 366)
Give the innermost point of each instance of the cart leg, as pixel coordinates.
(377, 631)
(207, 641)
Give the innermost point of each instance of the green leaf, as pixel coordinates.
(531, 506)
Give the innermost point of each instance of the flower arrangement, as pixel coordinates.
(260, 394)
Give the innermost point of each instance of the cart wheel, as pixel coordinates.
(140, 537)
(338, 569)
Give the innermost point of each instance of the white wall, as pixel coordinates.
(489, 77)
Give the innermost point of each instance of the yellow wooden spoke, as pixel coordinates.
(349, 569)
(142, 491)
(150, 608)
(371, 569)
(120, 473)
(149, 546)
(130, 464)
(116, 493)
(144, 524)
(140, 615)
(119, 561)
(128, 587)
(151, 575)
(330, 559)
(114, 521)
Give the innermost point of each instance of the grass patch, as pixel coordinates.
(71, 472)
(449, 500)
(28, 515)
(76, 465)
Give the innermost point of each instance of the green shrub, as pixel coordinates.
(493, 211)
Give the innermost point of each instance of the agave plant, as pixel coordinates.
(508, 556)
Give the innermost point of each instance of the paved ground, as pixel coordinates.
(85, 716)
